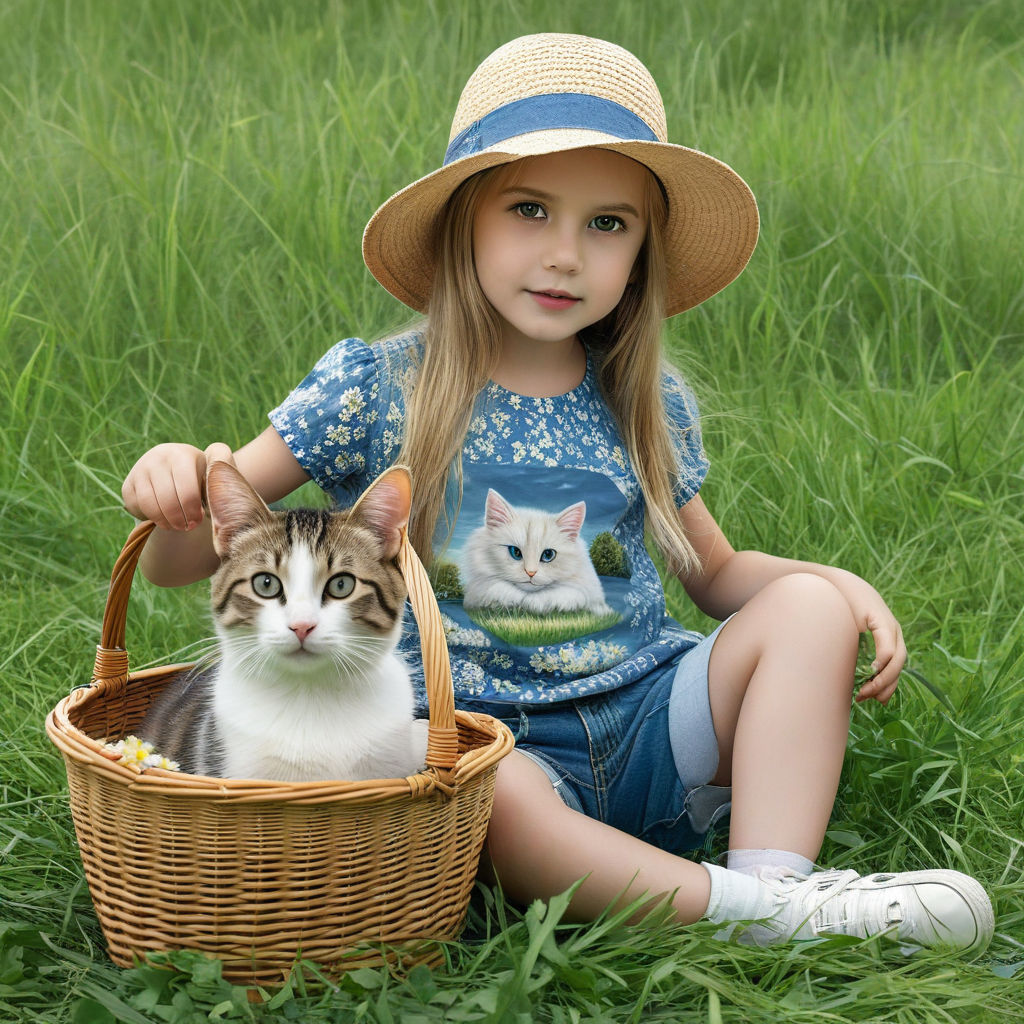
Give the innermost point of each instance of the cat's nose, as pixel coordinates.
(530, 572)
(302, 629)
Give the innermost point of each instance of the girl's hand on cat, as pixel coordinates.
(166, 484)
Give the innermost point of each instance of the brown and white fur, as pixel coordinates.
(308, 610)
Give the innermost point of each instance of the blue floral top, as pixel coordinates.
(545, 586)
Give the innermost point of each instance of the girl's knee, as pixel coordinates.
(806, 599)
(799, 618)
(804, 616)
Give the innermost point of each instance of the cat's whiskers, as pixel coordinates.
(351, 659)
(253, 657)
(203, 651)
(360, 647)
(250, 654)
(358, 657)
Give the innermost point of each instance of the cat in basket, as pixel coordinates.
(308, 608)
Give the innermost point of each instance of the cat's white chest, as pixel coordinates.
(289, 733)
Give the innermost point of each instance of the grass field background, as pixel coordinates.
(183, 186)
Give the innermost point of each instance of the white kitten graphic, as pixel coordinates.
(530, 559)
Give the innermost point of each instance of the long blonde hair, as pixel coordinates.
(461, 345)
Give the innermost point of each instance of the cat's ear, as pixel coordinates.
(497, 511)
(384, 507)
(570, 520)
(233, 504)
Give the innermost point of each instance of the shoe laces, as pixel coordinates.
(829, 906)
(853, 912)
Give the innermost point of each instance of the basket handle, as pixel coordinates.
(442, 736)
(111, 657)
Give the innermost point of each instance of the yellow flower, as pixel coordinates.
(133, 751)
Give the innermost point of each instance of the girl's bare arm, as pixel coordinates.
(729, 578)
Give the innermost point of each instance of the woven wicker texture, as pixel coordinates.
(548, 62)
(257, 872)
(712, 221)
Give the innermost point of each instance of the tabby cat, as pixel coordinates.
(308, 609)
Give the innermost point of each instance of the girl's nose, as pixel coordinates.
(563, 252)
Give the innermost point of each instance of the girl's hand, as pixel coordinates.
(166, 484)
(873, 616)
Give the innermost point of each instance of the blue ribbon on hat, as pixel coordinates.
(543, 113)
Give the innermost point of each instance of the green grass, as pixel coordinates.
(527, 630)
(183, 185)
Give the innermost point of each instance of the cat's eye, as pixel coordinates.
(515, 552)
(266, 584)
(548, 555)
(341, 585)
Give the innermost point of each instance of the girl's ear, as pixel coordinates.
(384, 507)
(234, 506)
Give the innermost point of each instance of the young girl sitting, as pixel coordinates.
(544, 434)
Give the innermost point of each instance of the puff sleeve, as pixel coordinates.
(332, 420)
(684, 424)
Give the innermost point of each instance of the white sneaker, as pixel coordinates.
(916, 908)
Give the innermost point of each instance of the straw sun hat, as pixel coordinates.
(552, 92)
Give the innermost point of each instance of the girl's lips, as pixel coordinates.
(554, 300)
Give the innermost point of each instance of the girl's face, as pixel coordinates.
(555, 241)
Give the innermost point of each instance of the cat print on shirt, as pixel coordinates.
(529, 559)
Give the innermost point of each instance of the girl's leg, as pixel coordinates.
(780, 681)
(786, 662)
(539, 847)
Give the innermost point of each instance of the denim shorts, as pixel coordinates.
(639, 758)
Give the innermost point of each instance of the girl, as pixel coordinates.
(544, 434)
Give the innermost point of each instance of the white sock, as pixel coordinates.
(750, 861)
(736, 896)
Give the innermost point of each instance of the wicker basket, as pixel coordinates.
(257, 872)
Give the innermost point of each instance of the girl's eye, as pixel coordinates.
(340, 586)
(515, 552)
(548, 555)
(529, 211)
(606, 222)
(266, 584)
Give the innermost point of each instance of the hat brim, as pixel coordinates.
(710, 234)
